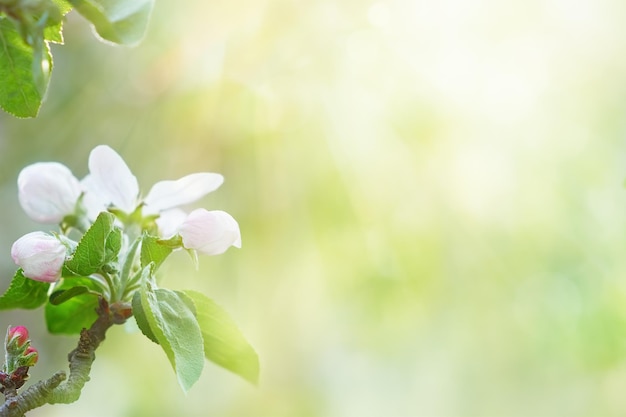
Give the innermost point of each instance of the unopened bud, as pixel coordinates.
(30, 357)
(17, 335)
(40, 255)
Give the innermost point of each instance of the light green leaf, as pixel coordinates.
(174, 326)
(98, 246)
(141, 319)
(24, 293)
(118, 21)
(19, 92)
(153, 251)
(76, 313)
(223, 342)
(54, 31)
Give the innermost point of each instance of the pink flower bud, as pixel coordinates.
(40, 255)
(48, 191)
(19, 334)
(30, 357)
(210, 232)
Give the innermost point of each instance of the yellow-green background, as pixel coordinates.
(430, 195)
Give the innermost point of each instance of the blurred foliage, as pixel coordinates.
(27, 27)
(430, 197)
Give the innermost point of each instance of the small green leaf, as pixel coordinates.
(24, 293)
(223, 342)
(19, 92)
(61, 296)
(96, 246)
(174, 326)
(119, 21)
(153, 251)
(76, 313)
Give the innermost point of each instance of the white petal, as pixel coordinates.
(210, 232)
(168, 194)
(93, 202)
(47, 191)
(112, 177)
(169, 221)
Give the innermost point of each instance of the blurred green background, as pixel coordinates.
(430, 196)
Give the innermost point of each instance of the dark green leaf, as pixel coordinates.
(174, 326)
(223, 342)
(153, 251)
(76, 313)
(119, 21)
(19, 92)
(61, 296)
(91, 253)
(24, 293)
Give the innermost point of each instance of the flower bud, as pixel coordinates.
(40, 255)
(17, 335)
(30, 357)
(210, 232)
(48, 191)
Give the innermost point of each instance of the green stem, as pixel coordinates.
(111, 284)
(127, 267)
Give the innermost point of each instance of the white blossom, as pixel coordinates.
(111, 183)
(48, 191)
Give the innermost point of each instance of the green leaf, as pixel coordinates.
(223, 342)
(112, 245)
(119, 21)
(153, 251)
(75, 313)
(96, 247)
(141, 319)
(24, 293)
(61, 296)
(174, 326)
(19, 91)
(54, 31)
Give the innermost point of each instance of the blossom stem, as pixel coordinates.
(110, 284)
(127, 267)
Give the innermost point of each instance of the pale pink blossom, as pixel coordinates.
(210, 232)
(40, 255)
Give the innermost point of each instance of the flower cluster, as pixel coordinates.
(19, 357)
(50, 194)
(18, 349)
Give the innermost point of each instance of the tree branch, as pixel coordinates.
(51, 390)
